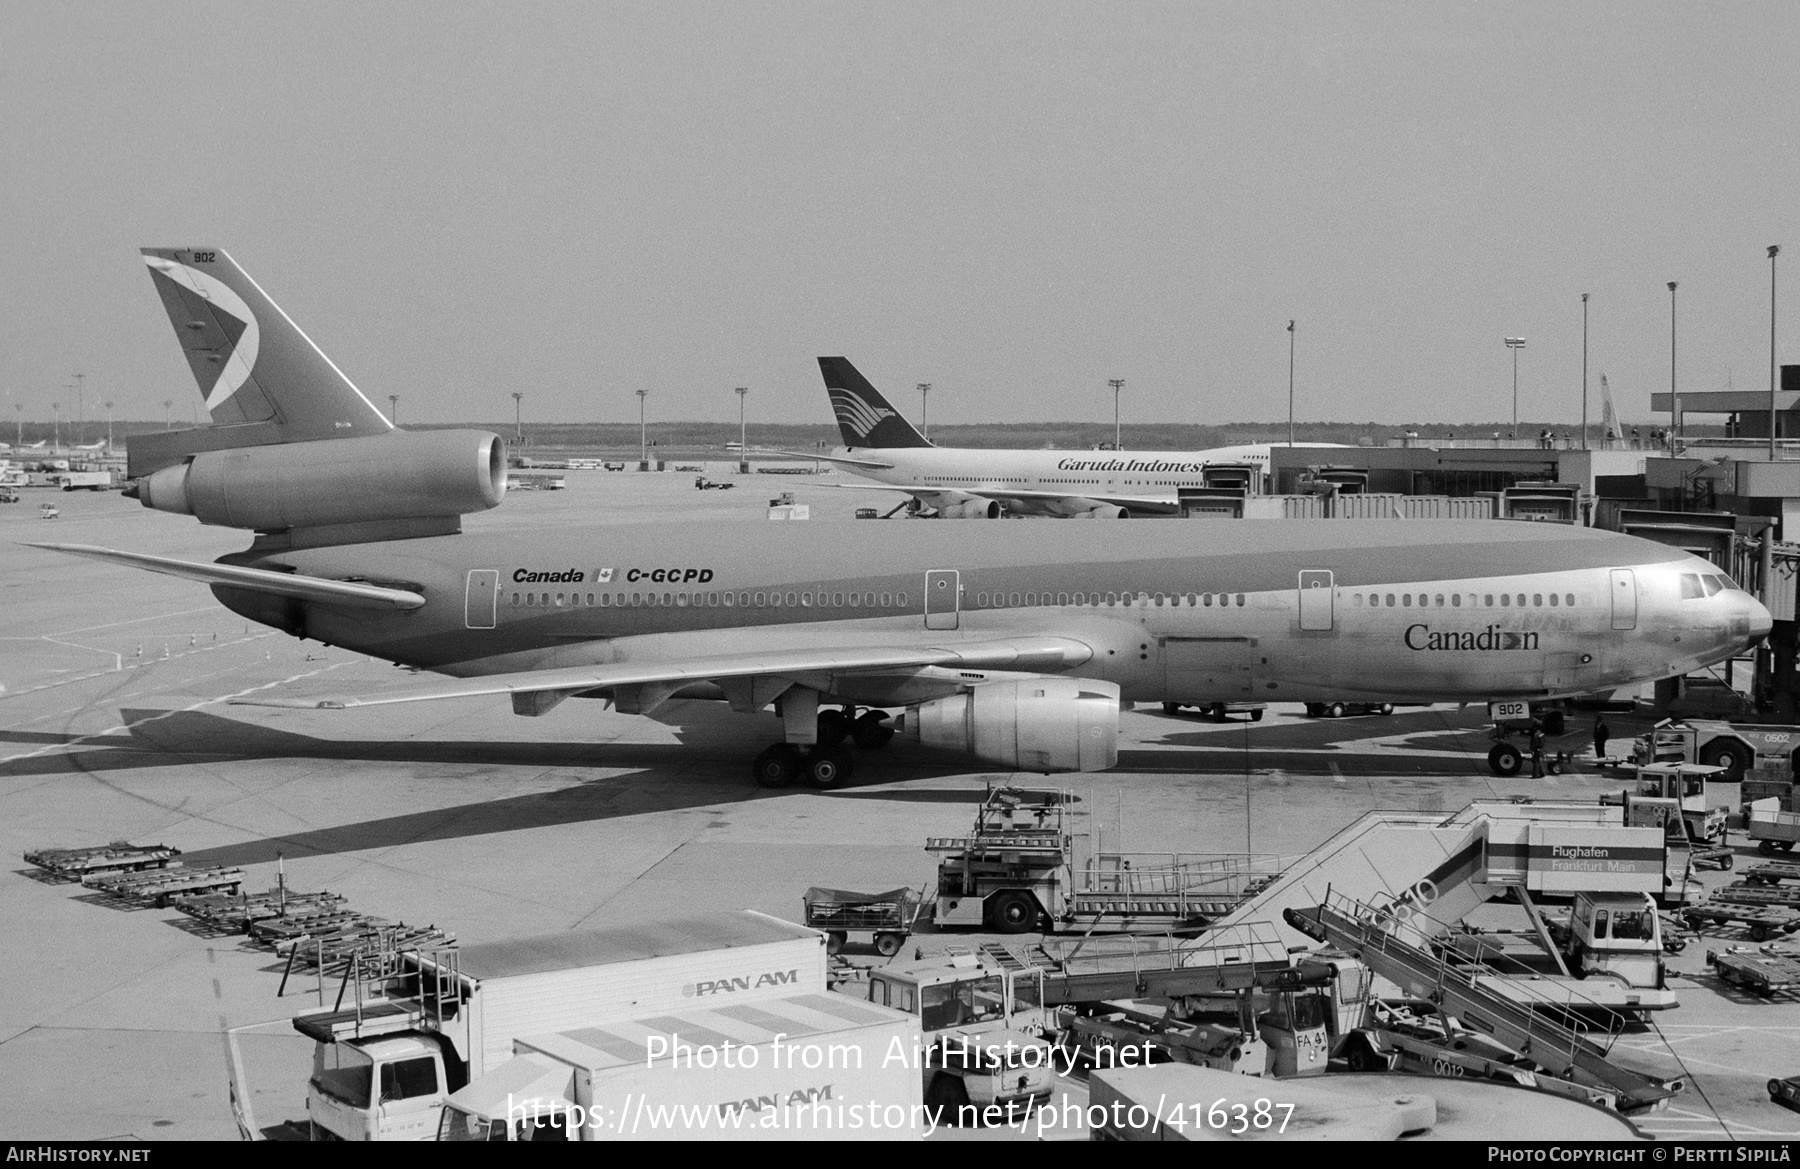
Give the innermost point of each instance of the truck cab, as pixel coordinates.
(1673, 796)
(983, 1025)
(388, 1088)
(1618, 935)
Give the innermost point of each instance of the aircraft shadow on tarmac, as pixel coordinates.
(662, 777)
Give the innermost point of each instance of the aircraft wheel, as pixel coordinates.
(870, 730)
(1335, 710)
(834, 728)
(1014, 913)
(1218, 712)
(1171, 708)
(828, 767)
(776, 767)
(1504, 760)
(1315, 710)
(1256, 715)
(1385, 708)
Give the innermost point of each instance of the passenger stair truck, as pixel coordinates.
(411, 1028)
(1430, 871)
(1032, 860)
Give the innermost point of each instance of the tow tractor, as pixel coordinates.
(1516, 717)
(1738, 749)
(1672, 796)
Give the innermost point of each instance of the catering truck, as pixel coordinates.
(813, 1066)
(414, 1026)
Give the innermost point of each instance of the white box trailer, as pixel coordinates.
(424, 1025)
(801, 1067)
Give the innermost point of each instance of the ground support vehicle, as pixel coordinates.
(1755, 893)
(1672, 796)
(84, 480)
(1786, 1092)
(1031, 859)
(813, 1066)
(228, 914)
(119, 856)
(1761, 971)
(1136, 1035)
(158, 886)
(887, 917)
(411, 1026)
(705, 484)
(1558, 1046)
(9, 495)
(1773, 873)
(1766, 750)
(1341, 709)
(1219, 711)
(1762, 922)
(981, 1020)
(1772, 829)
(48, 511)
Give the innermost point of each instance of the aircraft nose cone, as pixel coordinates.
(1760, 621)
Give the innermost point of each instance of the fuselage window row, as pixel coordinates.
(804, 600)
(1483, 600)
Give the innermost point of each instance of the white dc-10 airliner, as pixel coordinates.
(1012, 643)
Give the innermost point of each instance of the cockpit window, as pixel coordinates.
(1690, 586)
(1714, 584)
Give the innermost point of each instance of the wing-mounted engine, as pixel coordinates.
(971, 509)
(1039, 724)
(402, 483)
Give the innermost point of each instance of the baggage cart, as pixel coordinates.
(1762, 922)
(887, 917)
(119, 856)
(1761, 971)
(1771, 827)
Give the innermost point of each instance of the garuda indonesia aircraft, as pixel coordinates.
(1011, 643)
(986, 483)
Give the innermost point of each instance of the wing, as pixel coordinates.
(1027, 654)
(846, 460)
(260, 580)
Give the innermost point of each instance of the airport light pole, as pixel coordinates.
(1674, 407)
(167, 402)
(643, 434)
(1290, 383)
(109, 448)
(56, 431)
(1584, 363)
(393, 409)
(80, 411)
(1117, 383)
(924, 423)
(19, 422)
(743, 392)
(1515, 344)
(1774, 250)
(518, 425)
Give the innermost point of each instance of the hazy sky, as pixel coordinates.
(1014, 202)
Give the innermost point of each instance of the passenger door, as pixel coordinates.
(1624, 599)
(1316, 591)
(943, 598)
(481, 602)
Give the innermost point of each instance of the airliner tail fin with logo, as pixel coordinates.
(865, 417)
(254, 366)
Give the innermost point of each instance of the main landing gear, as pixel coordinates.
(826, 763)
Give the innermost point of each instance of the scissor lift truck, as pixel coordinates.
(1031, 860)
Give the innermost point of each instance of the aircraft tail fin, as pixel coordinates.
(865, 418)
(254, 366)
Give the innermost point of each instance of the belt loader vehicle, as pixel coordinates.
(819, 1066)
(417, 1025)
